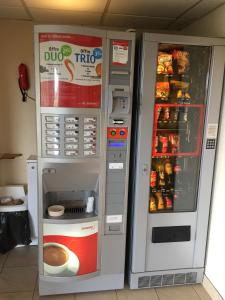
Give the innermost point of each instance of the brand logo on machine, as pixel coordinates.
(54, 54)
(88, 227)
(86, 56)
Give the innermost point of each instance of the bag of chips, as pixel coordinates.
(165, 63)
(183, 62)
(162, 90)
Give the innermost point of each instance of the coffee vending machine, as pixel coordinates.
(84, 102)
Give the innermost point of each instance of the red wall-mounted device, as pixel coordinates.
(23, 81)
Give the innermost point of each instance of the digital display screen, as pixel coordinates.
(116, 144)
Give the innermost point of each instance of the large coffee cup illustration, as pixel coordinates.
(56, 258)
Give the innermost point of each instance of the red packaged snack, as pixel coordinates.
(165, 63)
(162, 90)
(183, 62)
(175, 142)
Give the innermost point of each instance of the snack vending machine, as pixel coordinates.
(84, 102)
(176, 115)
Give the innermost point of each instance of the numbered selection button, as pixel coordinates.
(89, 120)
(71, 133)
(52, 146)
(71, 146)
(52, 139)
(89, 133)
(53, 152)
(71, 119)
(89, 126)
(55, 119)
(89, 152)
(89, 146)
(52, 126)
(89, 139)
(71, 140)
(71, 126)
(71, 153)
(52, 132)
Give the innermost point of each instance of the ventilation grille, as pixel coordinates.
(167, 279)
(191, 277)
(143, 282)
(75, 210)
(179, 278)
(156, 280)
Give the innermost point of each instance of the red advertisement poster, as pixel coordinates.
(70, 249)
(120, 52)
(70, 70)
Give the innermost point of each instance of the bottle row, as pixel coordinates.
(166, 175)
(167, 143)
(160, 201)
(172, 114)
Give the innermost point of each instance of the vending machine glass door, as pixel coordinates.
(180, 102)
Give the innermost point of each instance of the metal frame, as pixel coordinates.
(109, 275)
(141, 219)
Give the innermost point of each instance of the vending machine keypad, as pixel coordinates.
(69, 136)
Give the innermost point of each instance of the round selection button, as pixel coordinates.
(113, 132)
(122, 132)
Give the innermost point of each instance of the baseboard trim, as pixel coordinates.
(211, 290)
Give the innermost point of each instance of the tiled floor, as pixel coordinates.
(18, 281)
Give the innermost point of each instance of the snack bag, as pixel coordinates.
(182, 58)
(164, 63)
(162, 90)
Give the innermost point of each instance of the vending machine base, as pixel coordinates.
(165, 278)
(50, 286)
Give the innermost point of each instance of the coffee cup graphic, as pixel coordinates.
(57, 258)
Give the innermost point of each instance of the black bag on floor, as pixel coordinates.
(14, 230)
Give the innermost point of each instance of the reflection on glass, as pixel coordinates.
(180, 98)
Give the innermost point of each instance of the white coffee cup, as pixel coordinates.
(51, 269)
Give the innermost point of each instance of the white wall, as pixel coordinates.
(17, 119)
(214, 25)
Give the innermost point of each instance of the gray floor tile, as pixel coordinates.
(18, 279)
(16, 296)
(145, 294)
(201, 292)
(177, 293)
(22, 257)
(54, 297)
(109, 295)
